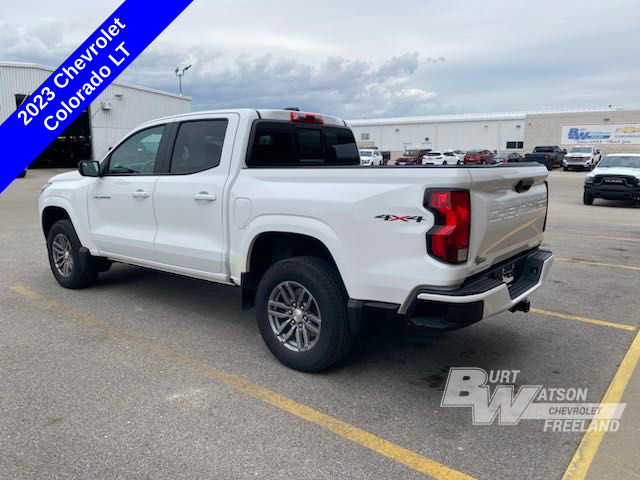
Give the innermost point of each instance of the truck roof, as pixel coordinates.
(268, 114)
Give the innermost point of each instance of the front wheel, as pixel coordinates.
(587, 199)
(63, 248)
(302, 314)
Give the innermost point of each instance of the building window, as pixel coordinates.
(364, 136)
(520, 145)
(515, 145)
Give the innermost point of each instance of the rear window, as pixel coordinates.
(285, 144)
(543, 149)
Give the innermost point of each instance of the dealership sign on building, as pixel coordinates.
(610, 134)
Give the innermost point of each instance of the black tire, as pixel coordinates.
(587, 199)
(22, 174)
(79, 275)
(444, 162)
(566, 169)
(323, 282)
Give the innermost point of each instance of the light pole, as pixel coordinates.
(180, 73)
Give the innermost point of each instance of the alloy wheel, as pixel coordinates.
(294, 316)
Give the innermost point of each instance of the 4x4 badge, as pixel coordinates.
(400, 218)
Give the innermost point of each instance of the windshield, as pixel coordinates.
(543, 149)
(365, 153)
(433, 154)
(620, 161)
(581, 150)
(410, 152)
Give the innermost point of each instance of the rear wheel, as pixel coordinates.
(566, 169)
(302, 314)
(587, 199)
(64, 257)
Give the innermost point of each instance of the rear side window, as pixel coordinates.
(284, 144)
(198, 146)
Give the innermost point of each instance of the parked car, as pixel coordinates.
(616, 177)
(370, 157)
(438, 158)
(478, 157)
(581, 157)
(412, 157)
(458, 154)
(507, 157)
(549, 156)
(261, 200)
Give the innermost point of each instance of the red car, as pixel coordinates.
(412, 157)
(478, 157)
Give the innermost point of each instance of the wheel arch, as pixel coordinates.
(51, 215)
(55, 208)
(270, 246)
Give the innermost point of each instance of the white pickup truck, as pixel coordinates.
(276, 203)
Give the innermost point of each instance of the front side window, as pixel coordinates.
(198, 146)
(137, 154)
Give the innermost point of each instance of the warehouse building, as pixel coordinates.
(119, 108)
(612, 129)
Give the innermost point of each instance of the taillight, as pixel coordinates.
(306, 118)
(448, 240)
(546, 157)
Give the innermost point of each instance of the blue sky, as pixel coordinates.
(365, 59)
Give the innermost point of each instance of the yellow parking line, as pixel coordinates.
(582, 459)
(567, 316)
(358, 436)
(598, 264)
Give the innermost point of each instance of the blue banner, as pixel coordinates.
(80, 79)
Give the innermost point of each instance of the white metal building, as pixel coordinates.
(119, 108)
(492, 131)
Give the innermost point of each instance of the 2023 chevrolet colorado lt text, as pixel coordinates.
(276, 203)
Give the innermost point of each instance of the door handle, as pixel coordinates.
(141, 194)
(206, 196)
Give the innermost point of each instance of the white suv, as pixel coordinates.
(581, 157)
(370, 157)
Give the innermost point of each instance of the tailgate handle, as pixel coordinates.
(523, 185)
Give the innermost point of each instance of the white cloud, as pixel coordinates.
(366, 59)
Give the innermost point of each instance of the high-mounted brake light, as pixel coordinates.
(448, 240)
(306, 118)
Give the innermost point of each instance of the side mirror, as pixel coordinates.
(89, 168)
(564, 150)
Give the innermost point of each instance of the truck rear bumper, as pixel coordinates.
(503, 287)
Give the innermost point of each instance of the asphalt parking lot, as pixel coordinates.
(150, 375)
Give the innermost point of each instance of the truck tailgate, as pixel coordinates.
(508, 212)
